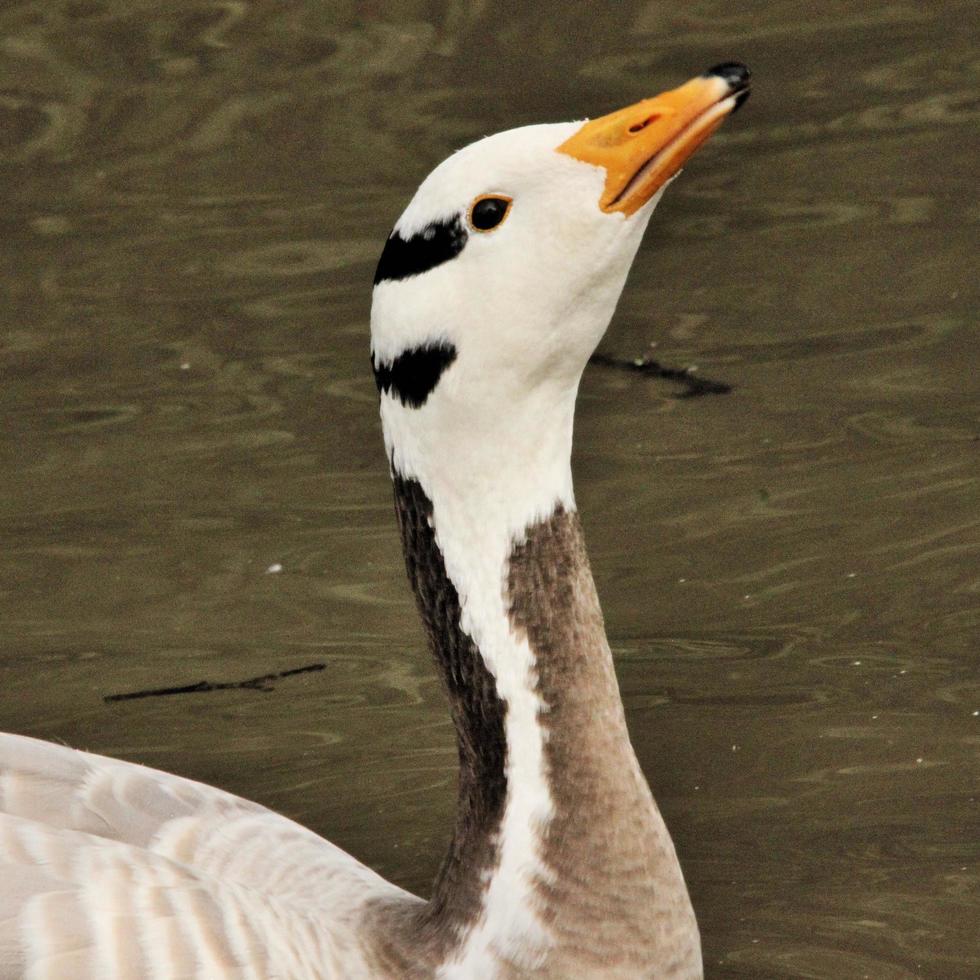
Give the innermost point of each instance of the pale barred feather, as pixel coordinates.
(113, 871)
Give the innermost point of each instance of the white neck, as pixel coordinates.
(486, 487)
(489, 490)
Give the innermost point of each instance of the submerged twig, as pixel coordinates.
(694, 384)
(261, 683)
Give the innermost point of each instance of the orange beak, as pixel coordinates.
(642, 146)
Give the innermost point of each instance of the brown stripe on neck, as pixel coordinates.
(478, 715)
(617, 902)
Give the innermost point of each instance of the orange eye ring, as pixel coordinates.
(488, 211)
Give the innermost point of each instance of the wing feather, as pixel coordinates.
(115, 870)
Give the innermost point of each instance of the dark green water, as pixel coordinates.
(194, 194)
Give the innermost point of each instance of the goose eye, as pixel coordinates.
(489, 211)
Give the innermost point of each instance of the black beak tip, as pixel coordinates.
(740, 99)
(733, 72)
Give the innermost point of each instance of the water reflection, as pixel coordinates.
(194, 198)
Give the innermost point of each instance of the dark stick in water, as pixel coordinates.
(261, 683)
(694, 385)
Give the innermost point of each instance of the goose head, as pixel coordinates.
(502, 274)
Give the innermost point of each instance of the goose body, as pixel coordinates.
(493, 289)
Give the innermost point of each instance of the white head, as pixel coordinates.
(529, 298)
(503, 272)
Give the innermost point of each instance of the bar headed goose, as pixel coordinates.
(492, 291)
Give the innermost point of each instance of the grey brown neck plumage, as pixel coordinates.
(617, 903)
(614, 897)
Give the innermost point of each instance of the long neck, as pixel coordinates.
(559, 857)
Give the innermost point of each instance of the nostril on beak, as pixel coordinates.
(637, 127)
(733, 72)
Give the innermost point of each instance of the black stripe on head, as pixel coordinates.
(413, 375)
(433, 245)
